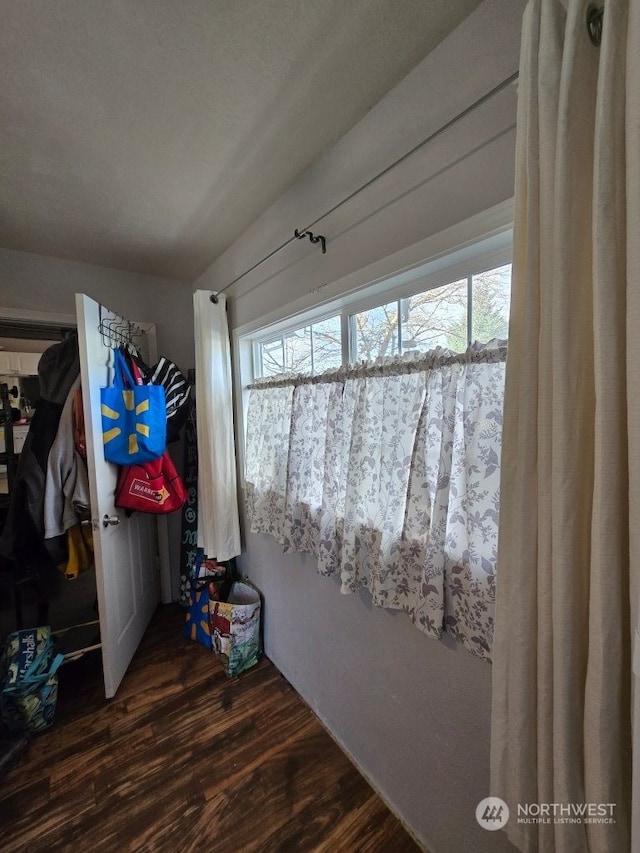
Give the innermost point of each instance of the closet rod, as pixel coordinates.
(446, 126)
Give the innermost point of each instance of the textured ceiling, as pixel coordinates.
(148, 134)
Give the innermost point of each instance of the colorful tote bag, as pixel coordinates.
(211, 581)
(29, 679)
(134, 418)
(196, 625)
(152, 486)
(234, 625)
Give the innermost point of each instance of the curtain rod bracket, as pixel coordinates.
(313, 238)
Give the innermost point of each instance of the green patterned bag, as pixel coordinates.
(29, 680)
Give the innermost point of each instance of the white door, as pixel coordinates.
(125, 549)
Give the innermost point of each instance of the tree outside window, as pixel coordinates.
(443, 316)
(308, 350)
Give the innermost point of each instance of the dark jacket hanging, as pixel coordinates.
(23, 536)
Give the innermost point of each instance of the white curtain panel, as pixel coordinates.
(561, 730)
(449, 545)
(380, 420)
(267, 452)
(470, 535)
(313, 416)
(420, 555)
(218, 525)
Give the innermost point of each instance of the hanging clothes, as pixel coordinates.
(79, 551)
(23, 536)
(66, 490)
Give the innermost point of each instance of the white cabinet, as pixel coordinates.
(19, 435)
(19, 363)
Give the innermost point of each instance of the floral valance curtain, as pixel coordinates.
(389, 474)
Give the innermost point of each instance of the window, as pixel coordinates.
(491, 294)
(436, 317)
(388, 474)
(449, 315)
(375, 332)
(307, 350)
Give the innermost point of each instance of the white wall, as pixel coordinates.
(412, 712)
(37, 283)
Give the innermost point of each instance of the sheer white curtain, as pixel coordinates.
(218, 526)
(268, 423)
(315, 418)
(380, 419)
(389, 475)
(561, 728)
(451, 528)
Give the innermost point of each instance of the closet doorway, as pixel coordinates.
(27, 581)
(21, 345)
(130, 554)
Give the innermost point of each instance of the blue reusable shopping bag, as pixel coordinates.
(134, 418)
(29, 680)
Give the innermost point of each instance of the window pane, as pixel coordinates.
(327, 345)
(297, 351)
(311, 349)
(435, 318)
(376, 332)
(272, 356)
(491, 301)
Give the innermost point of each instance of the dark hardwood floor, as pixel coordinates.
(185, 759)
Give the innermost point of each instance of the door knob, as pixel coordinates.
(110, 519)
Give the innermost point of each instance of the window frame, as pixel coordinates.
(474, 265)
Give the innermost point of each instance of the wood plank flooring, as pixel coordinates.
(185, 759)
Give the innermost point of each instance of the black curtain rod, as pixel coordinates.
(474, 106)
